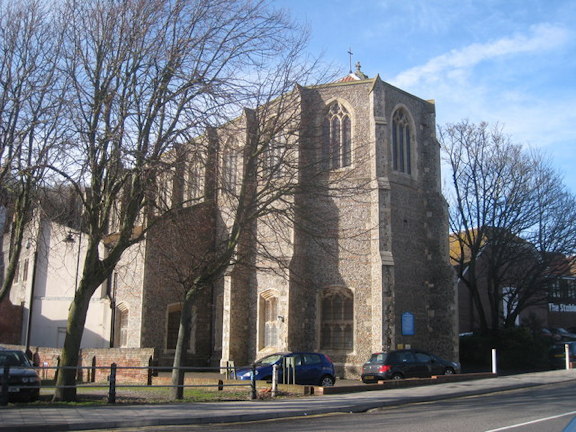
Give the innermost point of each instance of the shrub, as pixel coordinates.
(517, 349)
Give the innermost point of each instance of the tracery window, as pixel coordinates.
(336, 138)
(401, 142)
(269, 320)
(337, 319)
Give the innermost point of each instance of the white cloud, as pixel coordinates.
(516, 81)
(542, 37)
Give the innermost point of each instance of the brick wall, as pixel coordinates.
(92, 359)
(10, 321)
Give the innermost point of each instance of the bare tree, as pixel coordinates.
(32, 132)
(552, 239)
(144, 76)
(508, 216)
(251, 207)
(251, 180)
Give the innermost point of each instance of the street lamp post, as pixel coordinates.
(70, 239)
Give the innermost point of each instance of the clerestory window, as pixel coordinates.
(230, 165)
(274, 156)
(195, 183)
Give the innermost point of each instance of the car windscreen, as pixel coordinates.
(13, 358)
(271, 359)
(378, 358)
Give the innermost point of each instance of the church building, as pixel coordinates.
(356, 262)
(361, 267)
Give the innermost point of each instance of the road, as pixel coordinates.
(546, 408)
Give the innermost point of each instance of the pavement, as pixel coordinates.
(75, 418)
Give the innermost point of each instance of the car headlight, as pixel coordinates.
(30, 379)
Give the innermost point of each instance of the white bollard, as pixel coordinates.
(274, 379)
(567, 355)
(494, 367)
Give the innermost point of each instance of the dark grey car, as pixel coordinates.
(23, 382)
(408, 363)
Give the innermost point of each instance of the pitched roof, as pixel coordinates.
(357, 75)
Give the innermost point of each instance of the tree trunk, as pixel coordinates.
(72, 342)
(477, 301)
(2, 222)
(177, 391)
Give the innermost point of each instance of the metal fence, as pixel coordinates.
(113, 383)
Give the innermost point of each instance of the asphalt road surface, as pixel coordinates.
(541, 409)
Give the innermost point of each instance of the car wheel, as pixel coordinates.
(327, 381)
(449, 371)
(397, 376)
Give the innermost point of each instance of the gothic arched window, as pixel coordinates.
(269, 320)
(121, 326)
(336, 138)
(401, 142)
(230, 165)
(195, 181)
(337, 319)
(275, 156)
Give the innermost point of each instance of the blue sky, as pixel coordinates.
(511, 62)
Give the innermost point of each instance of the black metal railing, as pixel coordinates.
(115, 377)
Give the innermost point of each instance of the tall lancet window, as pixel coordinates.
(336, 138)
(401, 142)
(268, 320)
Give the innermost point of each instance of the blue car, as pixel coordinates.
(310, 369)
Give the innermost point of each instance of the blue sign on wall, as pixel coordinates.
(408, 324)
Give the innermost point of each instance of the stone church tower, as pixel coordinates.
(366, 253)
(374, 273)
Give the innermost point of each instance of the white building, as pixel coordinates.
(48, 272)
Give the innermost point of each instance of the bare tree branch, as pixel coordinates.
(508, 219)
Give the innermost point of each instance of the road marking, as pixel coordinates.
(532, 422)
